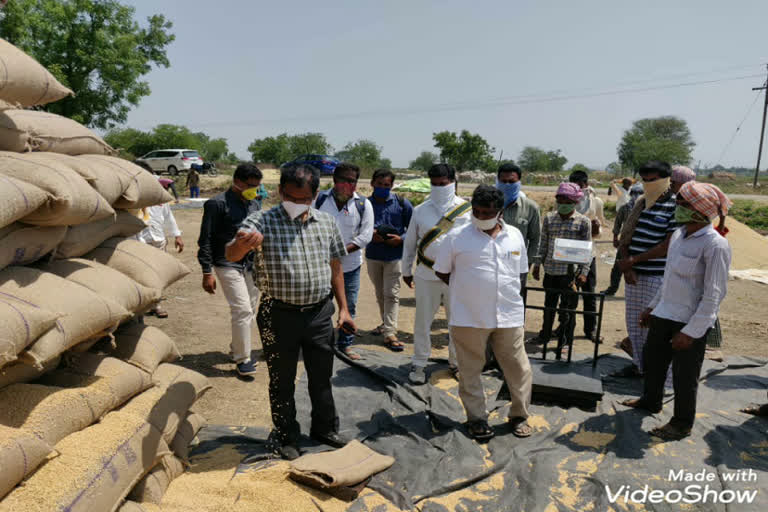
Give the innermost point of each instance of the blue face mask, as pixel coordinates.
(381, 192)
(511, 191)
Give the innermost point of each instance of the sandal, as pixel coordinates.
(351, 354)
(160, 312)
(638, 403)
(479, 430)
(670, 432)
(756, 410)
(520, 427)
(394, 345)
(378, 331)
(629, 371)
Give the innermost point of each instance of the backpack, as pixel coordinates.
(359, 203)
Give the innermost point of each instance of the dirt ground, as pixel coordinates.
(200, 325)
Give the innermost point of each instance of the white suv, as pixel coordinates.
(170, 160)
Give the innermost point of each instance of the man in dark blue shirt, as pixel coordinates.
(392, 214)
(222, 216)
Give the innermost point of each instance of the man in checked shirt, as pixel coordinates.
(302, 250)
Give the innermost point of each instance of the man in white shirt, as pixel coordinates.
(482, 264)
(685, 307)
(354, 216)
(431, 220)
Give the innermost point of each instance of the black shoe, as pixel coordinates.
(593, 338)
(609, 292)
(288, 451)
(331, 439)
(538, 340)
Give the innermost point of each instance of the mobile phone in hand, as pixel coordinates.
(348, 328)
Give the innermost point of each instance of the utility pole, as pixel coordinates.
(762, 131)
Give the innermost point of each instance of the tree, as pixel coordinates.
(465, 151)
(424, 161)
(131, 141)
(665, 138)
(284, 148)
(94, 47)
(579, 167)
(615, 168)
(533, 159)
(364, 153)
(166, 136)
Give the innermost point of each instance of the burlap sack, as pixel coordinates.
(124, 380)
(110, 184)
(95, 469)
(186, 433)
(141, 262)
(82, 239)
(85, 315)
(20, 325)
(152, 487)
(143, 346)
(20, 372)
(72, 199)
(24, 81)
(33, 130)
(20, 454)
(167, 375)
(52, 413)
(132, 506)
(343, 467)
(144, 189)
(4, 105)
(163, 408)
(18, 199)
(106, 282)
(22, 244)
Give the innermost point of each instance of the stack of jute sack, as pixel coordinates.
(89, 404)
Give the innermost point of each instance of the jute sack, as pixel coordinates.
(4, 105)
(164, 409)
(144, 189)
(106, 282)
(167, 375)
(109, 184)
(141, 262)
(132, 506)
(186, 433)
(20, 325)
(152, 487)
(20, 454)
(72, 201)
(19, 199)
(85, 315)
(95, 469)
(82, 239)
(124, 380)
(24, 81)
(33, 130)
(52, 413)
(22, 244)
(143, 346)
(20, 372)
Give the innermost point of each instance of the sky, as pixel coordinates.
(541, 73)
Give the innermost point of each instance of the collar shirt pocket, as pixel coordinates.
(689, 265)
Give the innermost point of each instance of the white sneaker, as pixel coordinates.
(417, 375)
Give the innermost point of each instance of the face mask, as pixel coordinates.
(484, 224)
(443, 196)
(565, 208)
(685, 215)
(250, 194)
(381, 192)
(653, 190)
(511, 191)
(294, 209)
(344, 191)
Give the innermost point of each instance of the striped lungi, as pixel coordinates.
(637, 297)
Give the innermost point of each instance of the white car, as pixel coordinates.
(170, 160)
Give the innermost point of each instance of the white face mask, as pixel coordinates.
(484, 225)
(294, 209)
(443, 196)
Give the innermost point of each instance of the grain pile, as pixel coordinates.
(74, 355)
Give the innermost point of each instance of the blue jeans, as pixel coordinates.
(194, 192)
(351, 289)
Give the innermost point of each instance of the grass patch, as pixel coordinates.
(751, 213)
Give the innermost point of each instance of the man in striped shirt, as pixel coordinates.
(643, 254)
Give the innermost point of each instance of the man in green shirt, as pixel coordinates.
(519, 211)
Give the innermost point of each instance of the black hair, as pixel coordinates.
(383, 173)
(442, 171)
(487, 196)
(510, 168)
(247, 171)
(578, 177)
(300, 175)
(656, 166)
(346, 166)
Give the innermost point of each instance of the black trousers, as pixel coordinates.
(283, 333)
(686, 367)
(590, 302)
(559, 290)
(616, 276)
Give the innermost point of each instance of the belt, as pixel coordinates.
(301, 309)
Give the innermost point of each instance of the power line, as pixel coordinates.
(733, 137)
(476, 105)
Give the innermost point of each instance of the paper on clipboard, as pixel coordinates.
(572, 251)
